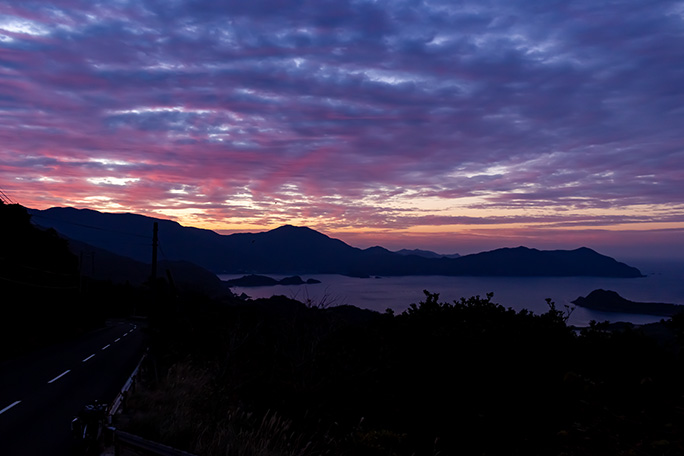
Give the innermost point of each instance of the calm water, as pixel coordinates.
(663, 283)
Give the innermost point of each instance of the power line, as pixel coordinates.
(35, 285)
(92, 227)
(5, 198)
(44, 271)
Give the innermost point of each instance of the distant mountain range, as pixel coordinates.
(301, 250)
(426, 253)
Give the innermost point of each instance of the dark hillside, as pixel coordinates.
(103, 265)
(292, 250)
(53, 289)
(39, 285)
(130, 235)
(27, 250)
(523, 261)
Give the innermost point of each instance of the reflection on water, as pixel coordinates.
(663, 283)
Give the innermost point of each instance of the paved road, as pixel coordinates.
(40, 393)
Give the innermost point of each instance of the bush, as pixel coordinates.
(468, 377)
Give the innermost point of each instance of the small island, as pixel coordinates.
(254, 280)
(610, 301)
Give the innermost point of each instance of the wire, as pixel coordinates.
(161, 250)
(5, 198)
(98, 228)
(44, 271)
(36, 285)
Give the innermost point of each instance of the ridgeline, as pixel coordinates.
(299, 250)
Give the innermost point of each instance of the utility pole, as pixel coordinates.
(155, 243)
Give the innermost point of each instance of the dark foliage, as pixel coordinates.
(469, 377)
(38, 283)
(44, 298)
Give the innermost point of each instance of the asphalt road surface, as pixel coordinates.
(42, 392)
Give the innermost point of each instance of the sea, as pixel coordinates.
(663, 282)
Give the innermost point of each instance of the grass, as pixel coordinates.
(179, 412)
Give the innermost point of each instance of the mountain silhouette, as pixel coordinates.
(264, 281)
(611, 301)
(426, 253)
(300, 250)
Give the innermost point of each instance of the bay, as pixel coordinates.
(664, 282)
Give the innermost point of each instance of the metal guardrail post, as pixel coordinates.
(121, 397)
(123, 440)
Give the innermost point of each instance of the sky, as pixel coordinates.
(454, 126)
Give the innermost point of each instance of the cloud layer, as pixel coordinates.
(349, 116)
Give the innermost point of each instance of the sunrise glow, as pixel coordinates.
(454, 127)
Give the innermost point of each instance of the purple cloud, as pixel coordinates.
(394, 115)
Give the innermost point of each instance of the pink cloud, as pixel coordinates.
(524, 106)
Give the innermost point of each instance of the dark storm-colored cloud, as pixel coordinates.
(524, 105)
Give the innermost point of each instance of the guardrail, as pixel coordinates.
(120, 399)
(129, 444)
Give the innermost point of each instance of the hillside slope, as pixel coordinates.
(301, 250)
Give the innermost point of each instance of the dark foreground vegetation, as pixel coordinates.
(44, 295)
(278, 377)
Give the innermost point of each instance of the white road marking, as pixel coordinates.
(105, 347)
(125, 335)
(9, 407)
(118, 339)
(88, 358)
(60, 376)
